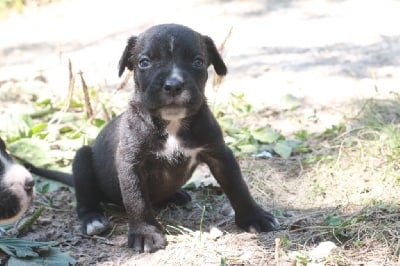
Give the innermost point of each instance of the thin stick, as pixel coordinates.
(106, 113)
(125, 81)
(222, 45)
(217, 80)
(277, 251)
(71, 86)
(89, 110)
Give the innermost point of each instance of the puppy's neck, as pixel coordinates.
(165, 127)
(173, 126)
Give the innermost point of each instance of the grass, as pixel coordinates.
(366, 152)
(345, 190)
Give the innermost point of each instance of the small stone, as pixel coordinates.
(214, 234)
(322, 251)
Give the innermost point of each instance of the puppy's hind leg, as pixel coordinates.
(88, 193)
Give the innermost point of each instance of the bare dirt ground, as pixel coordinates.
(328, 55)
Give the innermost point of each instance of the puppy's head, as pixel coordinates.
(16, 187)
(170, 65)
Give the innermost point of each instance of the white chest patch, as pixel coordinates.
(171, 146)
(174, 149)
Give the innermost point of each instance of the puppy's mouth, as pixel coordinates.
(173, 112)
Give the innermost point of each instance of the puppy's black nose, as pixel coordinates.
(173, 86)
(29, 183)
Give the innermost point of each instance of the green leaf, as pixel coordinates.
(42, 113)
(265, 135)
(333, 220)
(65, 129)
(43, 187)
(227, 124)
(23, 252)
(223, 262)
(293, 143)
(302, 134)
(20, 247)
(98, 122)
(283, 148)
(53, 257)
(247, 148)
(33, 150)
(44, 102)
(38, 128)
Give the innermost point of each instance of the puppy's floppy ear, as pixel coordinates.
(126, 55)
(215, 57)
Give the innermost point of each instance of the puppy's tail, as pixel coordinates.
(62, 177)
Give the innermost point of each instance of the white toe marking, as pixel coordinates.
(95, 228)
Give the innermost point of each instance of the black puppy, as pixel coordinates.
(144, 156)
(16, 187)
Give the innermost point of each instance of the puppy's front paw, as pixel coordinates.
(146, 238)
(94, 224)
(257, 221)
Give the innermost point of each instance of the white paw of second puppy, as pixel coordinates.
(95, 224)
(95, 228)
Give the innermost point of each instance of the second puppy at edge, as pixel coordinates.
(144, 156)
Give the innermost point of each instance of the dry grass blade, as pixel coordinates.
(222, 45)
(125, 81)
(70, 87)
(88, 107)
(277, 251)
(217, 80)
(106, 113)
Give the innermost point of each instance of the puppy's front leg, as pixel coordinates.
(144, 230)
(248, 215)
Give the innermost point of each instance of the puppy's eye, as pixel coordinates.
(144, 63)
(198, 63)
